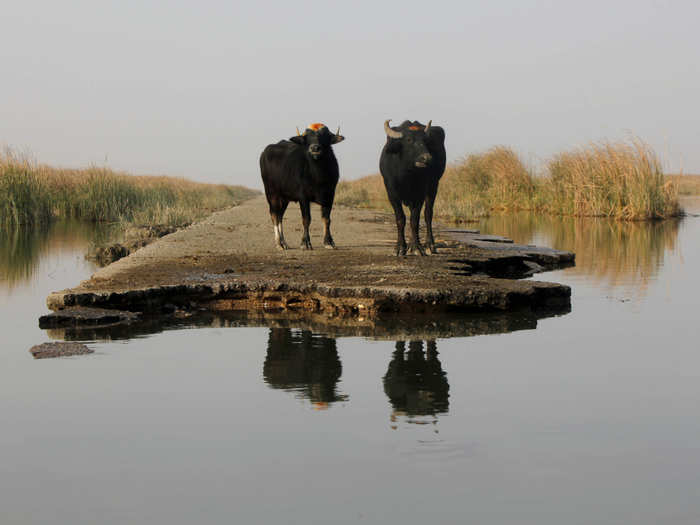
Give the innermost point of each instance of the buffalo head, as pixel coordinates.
(412, 141)
(317, 138)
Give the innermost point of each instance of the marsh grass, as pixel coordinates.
(33, 194)
(496, 180)
(622, 180)
(367, 192)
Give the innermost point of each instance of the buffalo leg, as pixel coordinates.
(306, 221)
(415, 234)
(327, 237)
(400, 226)
(429, 202)
(276, 214)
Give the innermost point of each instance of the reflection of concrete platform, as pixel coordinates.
(395, 327)
(228, 262)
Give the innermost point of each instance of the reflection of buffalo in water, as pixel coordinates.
(415, 382)
(305, 363)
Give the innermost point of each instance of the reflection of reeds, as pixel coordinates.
(34, 194)
(606, 250)
(22, 248)
(623, 180)
(613, 251)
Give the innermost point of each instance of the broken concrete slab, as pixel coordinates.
(86, 316)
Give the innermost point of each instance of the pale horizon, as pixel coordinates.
(198, 91)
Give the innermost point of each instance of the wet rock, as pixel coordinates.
(85, 316)
(105, 255)
(134, 238)
(49, 350)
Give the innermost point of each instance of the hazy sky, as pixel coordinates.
(199, 88)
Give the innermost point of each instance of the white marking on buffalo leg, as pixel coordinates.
(277, 233)
(281, 233)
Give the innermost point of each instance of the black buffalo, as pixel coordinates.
(412, 162)
(302, 169)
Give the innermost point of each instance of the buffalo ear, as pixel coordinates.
(299, 139)
(393, 145)
(436, 135)
(337, 138)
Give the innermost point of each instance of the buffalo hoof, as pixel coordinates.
(282, 246)
(416, 248)
(430, 249)
(400, 250)
(329, 244)
(306, 245)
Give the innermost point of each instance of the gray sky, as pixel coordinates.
(199, 88)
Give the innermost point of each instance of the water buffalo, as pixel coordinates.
(412, 162)
(302, 169)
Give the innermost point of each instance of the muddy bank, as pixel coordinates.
(133, 238)
(228, 262)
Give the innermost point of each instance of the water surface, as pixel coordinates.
(586, 417)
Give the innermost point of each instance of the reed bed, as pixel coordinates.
(496, 180)
(367, 192)
(622, 180)
(33, 194)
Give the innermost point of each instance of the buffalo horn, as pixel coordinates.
(298, 134)
(390, 132)
(338, 132)
(427, 128)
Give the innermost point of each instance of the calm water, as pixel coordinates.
(587, 417)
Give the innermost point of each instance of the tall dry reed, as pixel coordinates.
(495, 180)
(622, 180)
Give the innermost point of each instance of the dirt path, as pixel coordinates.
(229, 261)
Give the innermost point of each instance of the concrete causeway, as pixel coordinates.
(229, 262)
